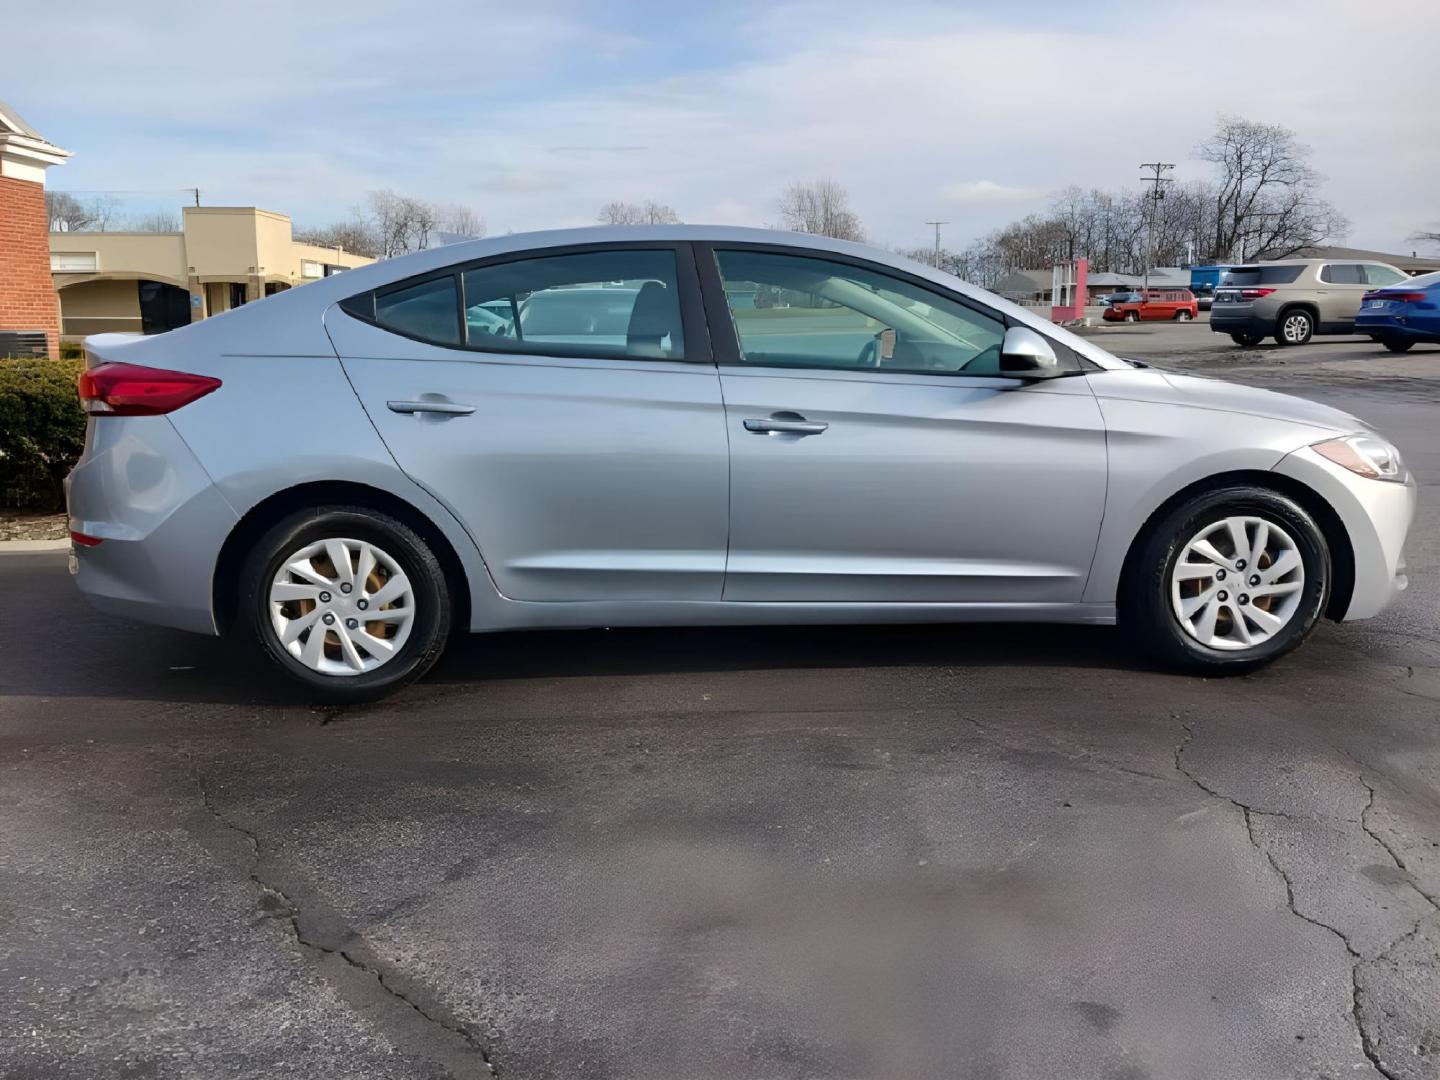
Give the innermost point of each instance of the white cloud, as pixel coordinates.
(546, 111)
(987, 191)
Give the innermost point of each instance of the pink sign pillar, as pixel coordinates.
(1069, 291)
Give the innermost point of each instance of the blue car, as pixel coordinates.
(1398, 316)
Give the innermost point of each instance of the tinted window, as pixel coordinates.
(430, 310)
(1246, 276)
(797, 311)
(604, 303)
(1342, 274)
(1382, 275)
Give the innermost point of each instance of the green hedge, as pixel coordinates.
(42, 431)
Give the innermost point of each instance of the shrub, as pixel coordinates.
(42, 431)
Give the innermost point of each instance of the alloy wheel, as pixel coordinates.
(1237, 583)
(1296, 328)
(341, 606)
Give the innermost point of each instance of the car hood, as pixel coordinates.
(1205, 393)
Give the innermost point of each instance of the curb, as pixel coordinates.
(21, 547)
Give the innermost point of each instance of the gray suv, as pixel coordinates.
(1294, 299)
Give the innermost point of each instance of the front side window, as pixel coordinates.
(802, 311)
(623, 303)
(1382, 275)
(429, 310)
(1342, 274)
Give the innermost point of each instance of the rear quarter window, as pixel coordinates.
(1247, 276)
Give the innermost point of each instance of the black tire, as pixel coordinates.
(1183, 316)
(1132, 316)
(1397, 344)
(430, 625)
(1246, 338)
(1145, 608)
(1295, 326)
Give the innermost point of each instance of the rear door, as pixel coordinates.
(877, 455)
(564, 405)
(1341, 287)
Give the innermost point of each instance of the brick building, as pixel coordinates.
(27, 292)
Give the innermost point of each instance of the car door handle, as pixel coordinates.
(445, 408)
(786, 424)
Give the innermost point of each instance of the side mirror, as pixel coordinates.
(1026, 354)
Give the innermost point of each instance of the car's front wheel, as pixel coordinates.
(1132, 316)
(1227, 581)
(349, 602)
(1183, 316)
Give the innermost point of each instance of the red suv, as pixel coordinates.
(1177, 304)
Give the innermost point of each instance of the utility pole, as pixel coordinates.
(937, 225)
(1158, 180)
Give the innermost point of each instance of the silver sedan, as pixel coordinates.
(689, 426)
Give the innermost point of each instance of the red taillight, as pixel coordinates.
(1400, 297)
(1255, 294)
(131, 390)
(84, 540)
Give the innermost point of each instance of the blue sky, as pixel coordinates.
(535, 114)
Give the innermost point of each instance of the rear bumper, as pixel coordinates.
(1388, 326)
(1240, 319)
(1376, 515)
(140, 490)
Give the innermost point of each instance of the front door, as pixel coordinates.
(572, 422)
(877, 454)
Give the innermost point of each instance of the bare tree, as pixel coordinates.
(461, 220)
(354, 236)
(1426, 236)
(648, 212)
(1267, 197)
(69, 214)
(820, 207)
(156, 221)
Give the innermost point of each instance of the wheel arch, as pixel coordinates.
(1337, 539)
(225, 585)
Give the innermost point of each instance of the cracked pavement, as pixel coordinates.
(844, 852)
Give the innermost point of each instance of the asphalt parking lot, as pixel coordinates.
(878, 852)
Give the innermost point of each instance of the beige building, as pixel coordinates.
(224, 256)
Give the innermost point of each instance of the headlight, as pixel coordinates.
(1365, 455)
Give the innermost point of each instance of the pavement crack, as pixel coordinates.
(458, 1057)
(1367, 1045)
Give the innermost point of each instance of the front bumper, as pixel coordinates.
(1376, 515)
(161, 522)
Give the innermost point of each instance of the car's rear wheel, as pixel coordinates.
(1296, 327)
(1227, 581)
(1132, 316)
(1397, 344)
(350, 603)
(1182, 316)
(1247, 339)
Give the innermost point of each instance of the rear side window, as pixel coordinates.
(1382, 275)
(604, 303)
(1342, 274)
(1246, 276)
(429, 310)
